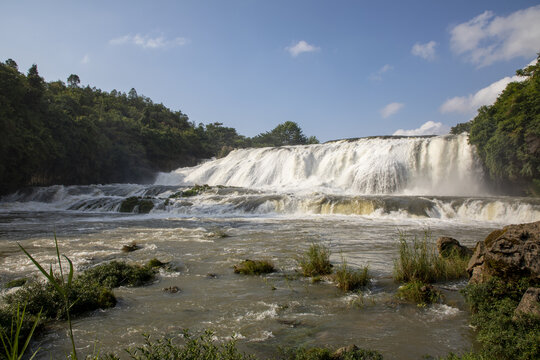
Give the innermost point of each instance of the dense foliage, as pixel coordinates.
(57, 133)
(507, 134)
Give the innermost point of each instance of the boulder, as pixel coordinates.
(509, 253)
(171, 289)
(448, 246)
(530, 303)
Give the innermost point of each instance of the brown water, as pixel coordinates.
(262, 312)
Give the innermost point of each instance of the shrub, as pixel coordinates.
(419, 261)
(316, 261)
(83, 295)
(118, 273)
(419, 293)
(254, 267)
(502, 335)
(349, 279)
(325, 353)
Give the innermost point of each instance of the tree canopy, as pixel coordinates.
(507, 134)
(53, 133)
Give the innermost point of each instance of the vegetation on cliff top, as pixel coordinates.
(507, 134)
(58, 133)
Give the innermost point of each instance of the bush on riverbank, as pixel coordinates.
(502, 334)
(254, 267)
(316, 261)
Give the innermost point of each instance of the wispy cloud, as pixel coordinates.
(377, 76)
(428, 128)
(486, 96)
(149, 42)
(301, 47)
(425, 51)
(391, 109)
(85, 60)
(486, 38)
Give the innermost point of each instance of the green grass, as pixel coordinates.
(316, 261)
(15, 283)
(254, 267)
(118, 273)
(419, 261)
(419, 293)
(325, 353)
(16, 331)
(348, 279)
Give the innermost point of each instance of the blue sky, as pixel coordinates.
(338, 68)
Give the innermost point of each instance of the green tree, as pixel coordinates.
(73, 81)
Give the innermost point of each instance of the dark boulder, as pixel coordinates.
(509, 253)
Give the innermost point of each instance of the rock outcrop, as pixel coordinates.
(448, 246)
(530, 303)
(509, 253)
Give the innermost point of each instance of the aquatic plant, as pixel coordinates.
(19, 332)
(155, 263)
(419, 293)
(418, 261)
(118, 273)
(200, 347)
(15, 283)
(348, 279)
(316, 261)
(254, 267)
(143, 206)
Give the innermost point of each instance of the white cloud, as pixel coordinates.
(425, 51)
(487, 38)
(428, 128)
(485, 96)
(378, 75)
(148, 42)
(391, 109)
(85, 60)
(301, 47)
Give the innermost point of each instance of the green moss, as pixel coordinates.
(348, 279)
(488, 241)
(143, 206)
(15, 283)
(254, 267)
(316, 261)
(117, 273)
(194, 191)
(419, 293)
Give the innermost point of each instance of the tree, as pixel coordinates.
(73, 81)
(12, 64)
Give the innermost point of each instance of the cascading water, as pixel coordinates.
(442, 165)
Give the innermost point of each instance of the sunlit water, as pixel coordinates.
(265, 219)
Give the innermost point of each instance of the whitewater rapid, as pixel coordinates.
(440, 165)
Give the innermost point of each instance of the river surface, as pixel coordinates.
(261, 211)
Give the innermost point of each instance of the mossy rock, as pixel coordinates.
(143, 206)
(194, 191)
(118, 273)
(155, 263)
(418, 292)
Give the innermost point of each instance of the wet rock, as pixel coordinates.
(530, 303)
(130, 247)
(448, 246)
(290, 322)
(509, 253)
(212, 276)
(171, 289)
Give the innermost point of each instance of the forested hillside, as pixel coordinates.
(507, 134)
(58, 133)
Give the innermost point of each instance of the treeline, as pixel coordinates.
(58, 133)
(507, 135)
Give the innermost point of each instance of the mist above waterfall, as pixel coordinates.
(441, 165)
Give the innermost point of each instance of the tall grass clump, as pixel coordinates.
(16, 335)
(254, 267)
(419, 261)
(349, 279)
(316, 261)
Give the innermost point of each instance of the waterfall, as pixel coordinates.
(441, 165)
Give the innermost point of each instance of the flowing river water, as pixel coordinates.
(273, 203)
